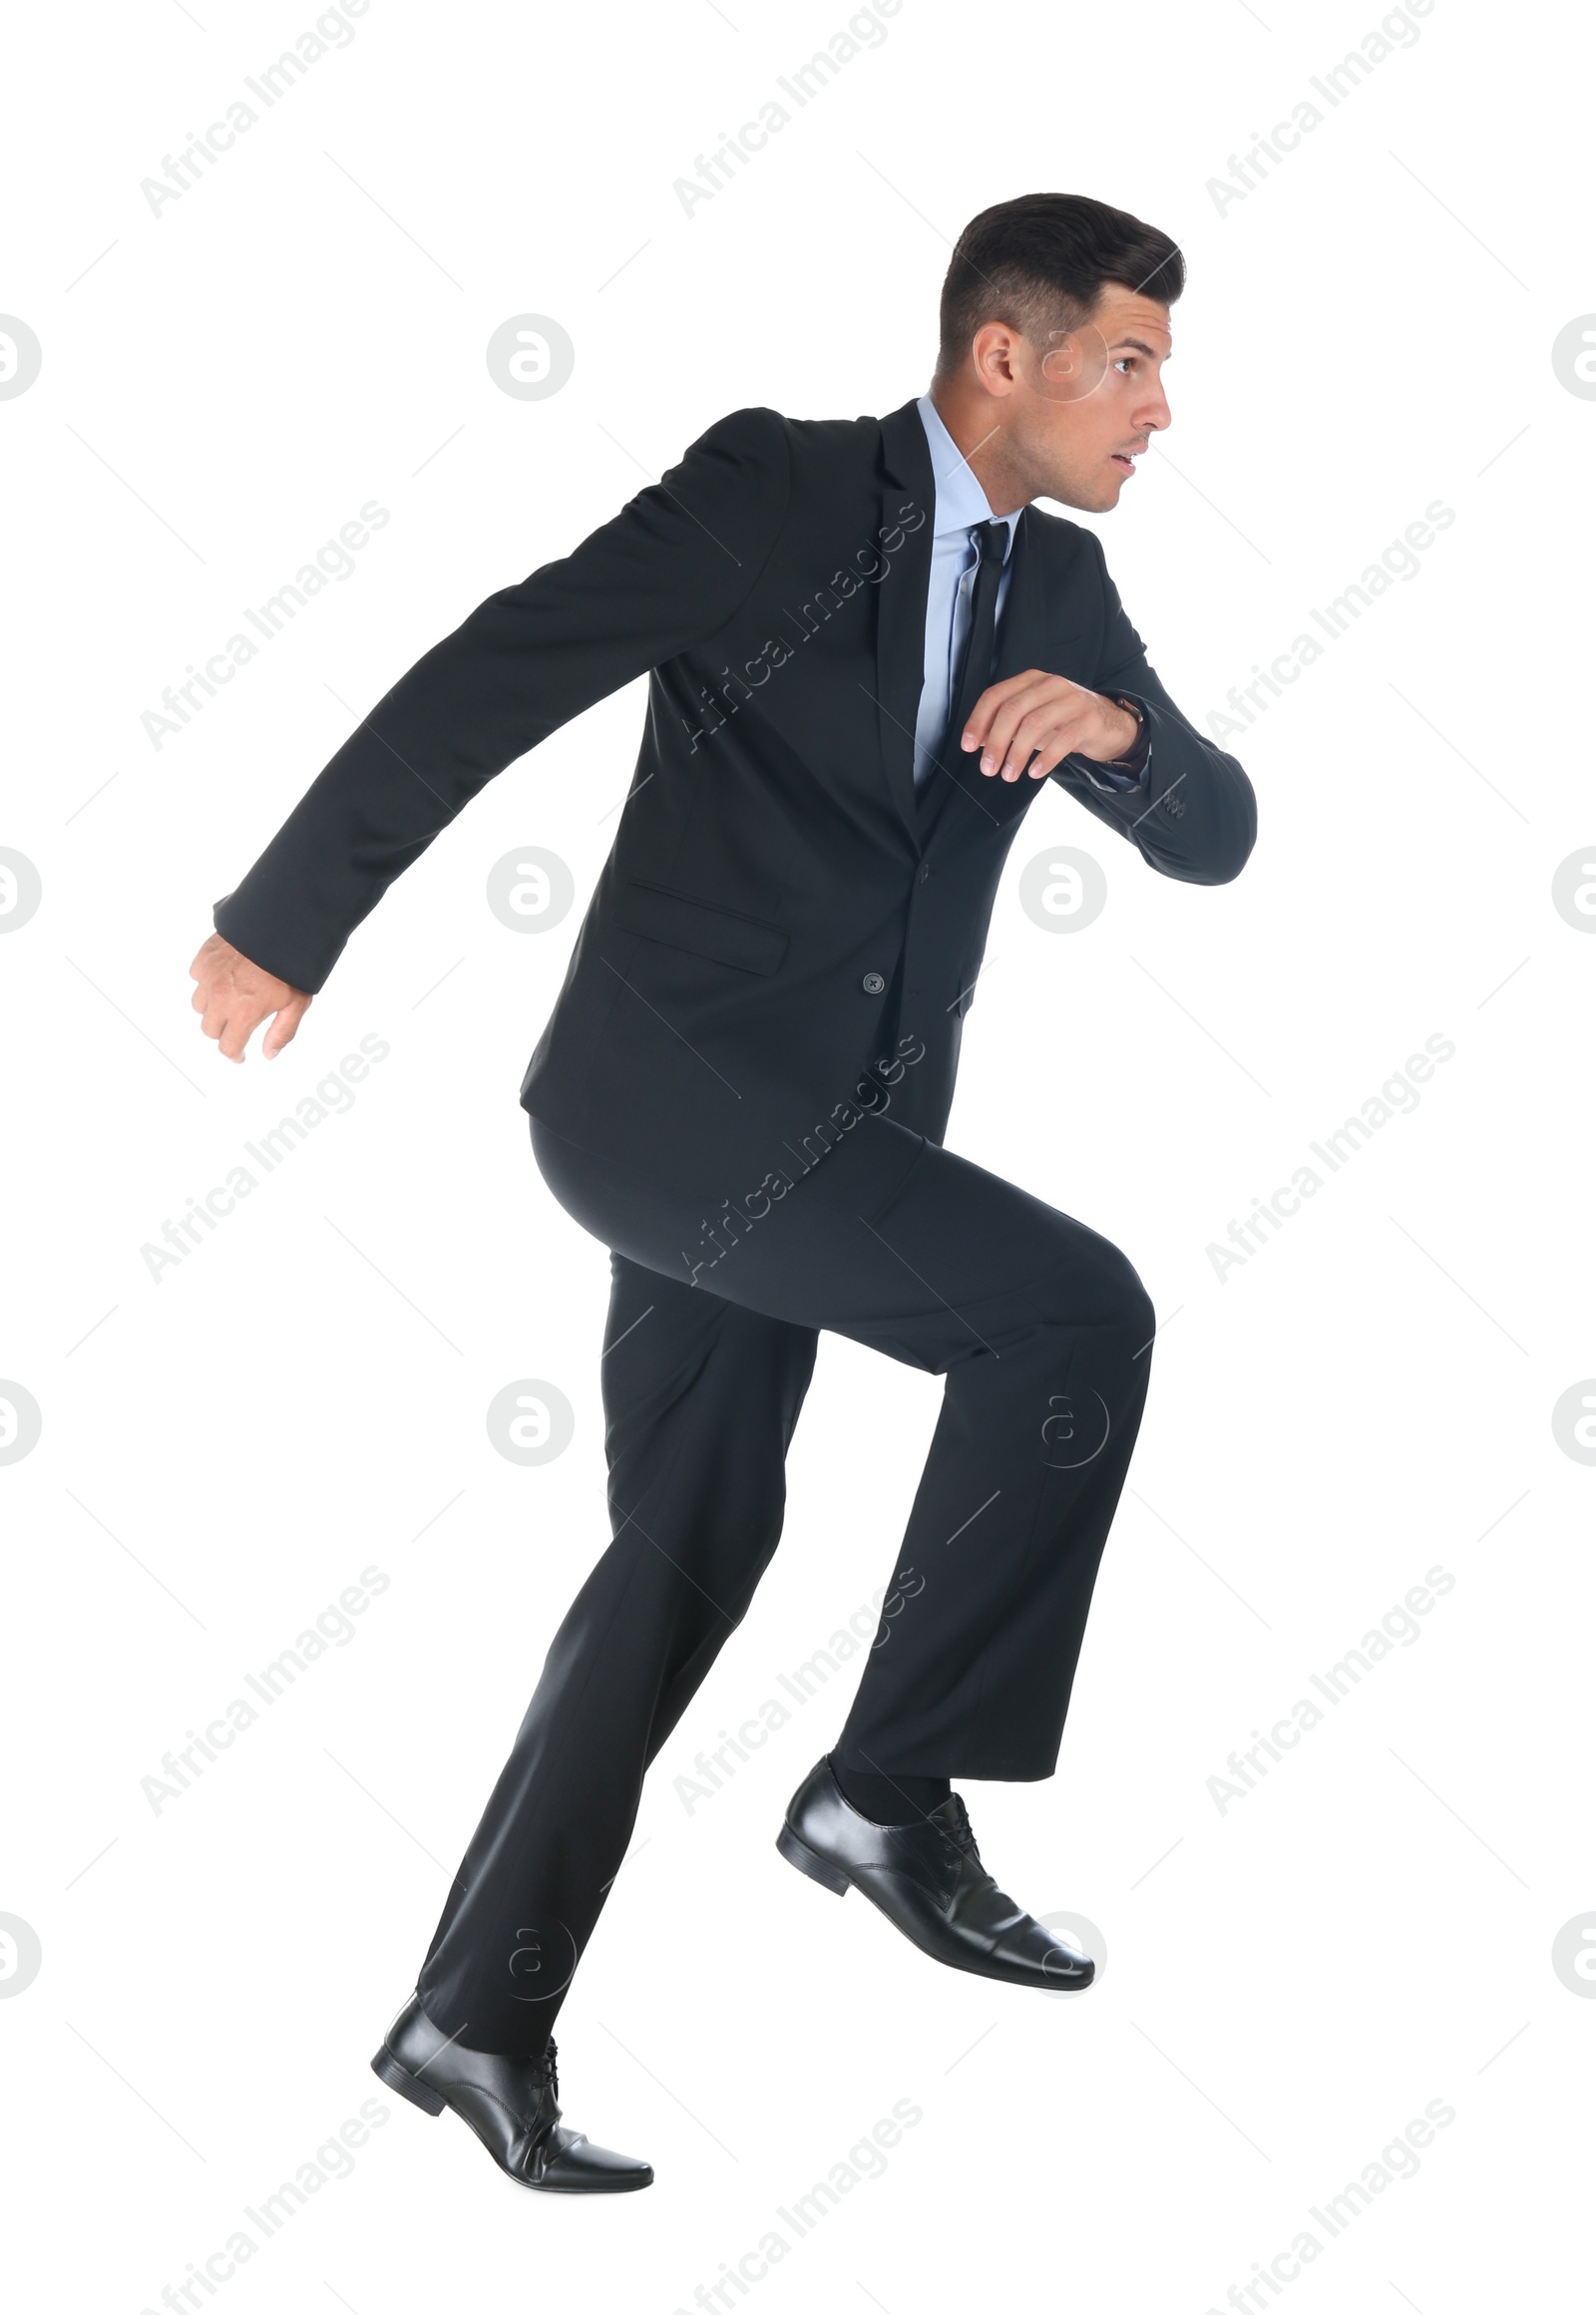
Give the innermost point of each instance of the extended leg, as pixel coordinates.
(700, 1401)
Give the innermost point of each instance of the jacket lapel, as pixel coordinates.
(900, 602)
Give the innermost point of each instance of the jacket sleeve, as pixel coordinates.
(1195, 817)
(668, 571)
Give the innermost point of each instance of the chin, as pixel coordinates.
(1094, 496)
(1097, 491)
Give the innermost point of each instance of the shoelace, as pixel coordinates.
(957, 1829)
(547, 2069)
(959, 1836)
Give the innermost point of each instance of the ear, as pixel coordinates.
(996, 352)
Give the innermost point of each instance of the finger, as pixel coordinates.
(987, 704)
(1062, 739)
(1005, 723)
(1008, 752)
(238, 1025)
(212, 1003)
(1048, 760)
(283, 1026)
(1030, 734)
(1056, 732)
(233, 1019)
(1052, 746)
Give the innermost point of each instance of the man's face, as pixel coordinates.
(1085, 407)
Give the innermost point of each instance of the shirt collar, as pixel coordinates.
(960, 501)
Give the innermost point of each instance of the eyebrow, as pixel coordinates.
(1142, 347)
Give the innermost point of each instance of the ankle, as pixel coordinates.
(887, 1800)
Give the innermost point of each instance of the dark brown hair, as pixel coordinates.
(1040, 264)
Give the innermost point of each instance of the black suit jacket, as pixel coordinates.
(778, 902)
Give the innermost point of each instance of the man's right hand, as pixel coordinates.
(234, 996)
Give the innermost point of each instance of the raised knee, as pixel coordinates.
(1138, 1305)
(1102, 1289)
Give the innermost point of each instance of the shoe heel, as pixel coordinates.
(388, 2069)
(799, 1854)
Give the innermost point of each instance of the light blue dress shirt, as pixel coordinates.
(961, 505)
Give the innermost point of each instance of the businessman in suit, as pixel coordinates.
(864, 646)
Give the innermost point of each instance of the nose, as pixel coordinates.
(1154, 412)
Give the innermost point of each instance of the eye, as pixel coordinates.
(1124, 361)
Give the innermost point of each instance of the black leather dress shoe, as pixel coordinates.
(929, 1880)
(511, 2103)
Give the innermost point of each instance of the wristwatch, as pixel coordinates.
(1128, 772)
(1135, 709)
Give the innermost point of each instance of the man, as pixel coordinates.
(865, 647)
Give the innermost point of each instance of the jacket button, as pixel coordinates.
(874, 984)
(924, 869)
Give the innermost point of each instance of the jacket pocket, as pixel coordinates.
(661, 914)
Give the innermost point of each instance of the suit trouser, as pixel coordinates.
(1042, 1331)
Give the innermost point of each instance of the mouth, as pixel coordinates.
(1125, 458)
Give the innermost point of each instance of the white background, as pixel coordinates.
(1290, 1980)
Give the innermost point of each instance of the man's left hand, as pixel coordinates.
(1039, 719)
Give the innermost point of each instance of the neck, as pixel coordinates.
(980, 437)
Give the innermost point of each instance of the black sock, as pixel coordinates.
(889, 1799)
